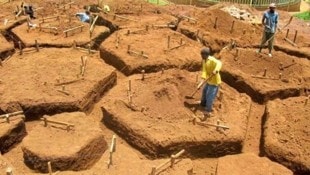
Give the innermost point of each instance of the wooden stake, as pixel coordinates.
(128, 49)
(168, 42)
(288, 30)
(130, 99)
(295, 36)
(291, 42)
(153, 172)
(37, 45)
(129, 85)
(215, 23)
(46, 121)
(7, 118)
(113, 144)
(171, 161)
(11, 114)
(49, 166)
(74, 44)
(265, 72)
(20, 48)
(306, 101)
(89, 50)
(218, 124)
(72, 29)
(232, 26)
(143, 71)
(9, 171)
(281, 66)
(280, 76)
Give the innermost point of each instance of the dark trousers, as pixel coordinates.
(266, 37)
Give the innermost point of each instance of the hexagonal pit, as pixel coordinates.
(152, 56)
(50, 81)
(77, 149)
(286, 133)
(52, 33)
(244, 70)
(217, 31)
(135, 14)
(12, 131)
(158, 121)
(239, 164)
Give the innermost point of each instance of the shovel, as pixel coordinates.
(198, 88)
(288, 23)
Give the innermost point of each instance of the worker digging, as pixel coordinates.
(211, 80)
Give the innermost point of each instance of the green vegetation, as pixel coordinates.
(160, 2)
(303, 15)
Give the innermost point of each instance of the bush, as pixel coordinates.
(161, 2)
(303, 15)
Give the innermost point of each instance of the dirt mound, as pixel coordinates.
(244, 69)
(239, 164)
(214, 28)
(11, 133)
(76, 149)
(158, 123)
(154, 56)
(50, 81)
(57, 37)
(286, 133)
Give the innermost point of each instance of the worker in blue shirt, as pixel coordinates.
(270, 22)
(84, 17)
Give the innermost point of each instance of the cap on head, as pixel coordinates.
(272, 5)
(205, 52)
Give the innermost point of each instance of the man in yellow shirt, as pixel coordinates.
(211, 76)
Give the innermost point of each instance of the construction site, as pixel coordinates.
(117, 95)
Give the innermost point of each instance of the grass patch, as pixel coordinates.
(160, 2)
(303, 15)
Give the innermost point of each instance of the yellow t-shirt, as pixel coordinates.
(209, 66)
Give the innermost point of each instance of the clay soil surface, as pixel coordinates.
(153, 44)
(286, 136)
(33, 79)
(160, 123)
(244, 68)
(239, 164)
